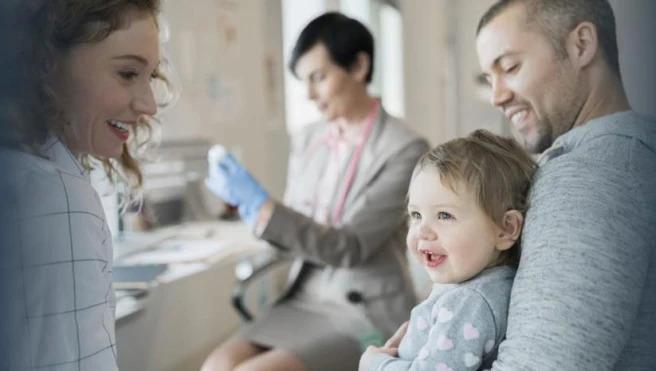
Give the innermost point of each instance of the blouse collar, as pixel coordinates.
(56, 151)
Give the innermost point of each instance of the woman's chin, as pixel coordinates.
(110, 153)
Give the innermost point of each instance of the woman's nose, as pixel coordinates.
(311, 92)
(144, 103)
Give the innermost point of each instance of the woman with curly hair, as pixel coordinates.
(88, 73)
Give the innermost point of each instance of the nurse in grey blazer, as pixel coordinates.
(342, 218)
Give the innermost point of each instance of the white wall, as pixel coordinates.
(636, 28)
(297, 14)
(228, 55)
(424, 40)
(474, 109)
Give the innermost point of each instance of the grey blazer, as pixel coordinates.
(363, 259)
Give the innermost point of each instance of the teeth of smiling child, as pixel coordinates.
(119, 125)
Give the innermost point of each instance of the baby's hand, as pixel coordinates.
(395, 340)
(371, 350)
(391, 347)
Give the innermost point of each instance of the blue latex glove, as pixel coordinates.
(237, 187)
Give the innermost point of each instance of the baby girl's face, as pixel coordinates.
(448, 232)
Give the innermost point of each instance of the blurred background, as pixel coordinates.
(230, 58)
(229, 63)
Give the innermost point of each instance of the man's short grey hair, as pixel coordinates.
(557, 18)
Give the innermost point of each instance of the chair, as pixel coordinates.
(248, 271)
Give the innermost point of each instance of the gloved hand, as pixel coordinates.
(237, 187)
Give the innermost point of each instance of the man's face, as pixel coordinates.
(536, 89)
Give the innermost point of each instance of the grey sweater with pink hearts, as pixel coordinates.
(458, 327)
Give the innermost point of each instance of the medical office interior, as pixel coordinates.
(177, 262)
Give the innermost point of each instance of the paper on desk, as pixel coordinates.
(182, 251)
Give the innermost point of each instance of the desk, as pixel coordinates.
(187, 312)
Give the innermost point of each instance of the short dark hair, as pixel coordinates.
(344, 38)
(556, 18)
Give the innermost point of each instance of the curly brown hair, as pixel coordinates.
(58, 26)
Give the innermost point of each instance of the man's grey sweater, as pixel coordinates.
(584, 297)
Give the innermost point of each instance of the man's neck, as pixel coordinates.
(605, 98)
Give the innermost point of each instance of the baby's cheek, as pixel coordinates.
(411, 240)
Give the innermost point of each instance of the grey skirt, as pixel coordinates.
(325, 336)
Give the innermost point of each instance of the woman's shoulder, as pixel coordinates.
(395, 133)
(25, 166)
(397, 127)
(38, 186)
(31, 179)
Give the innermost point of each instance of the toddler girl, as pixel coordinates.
(466, 205)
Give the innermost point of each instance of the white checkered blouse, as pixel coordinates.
(65, 267)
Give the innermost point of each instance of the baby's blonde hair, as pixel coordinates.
(497, 170)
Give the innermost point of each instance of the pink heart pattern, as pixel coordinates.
(444, 343)
(422, 324)
(470, 331)
(442, 367)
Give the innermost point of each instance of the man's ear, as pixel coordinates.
(583, 44)
(360, 67)
(510, 229)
